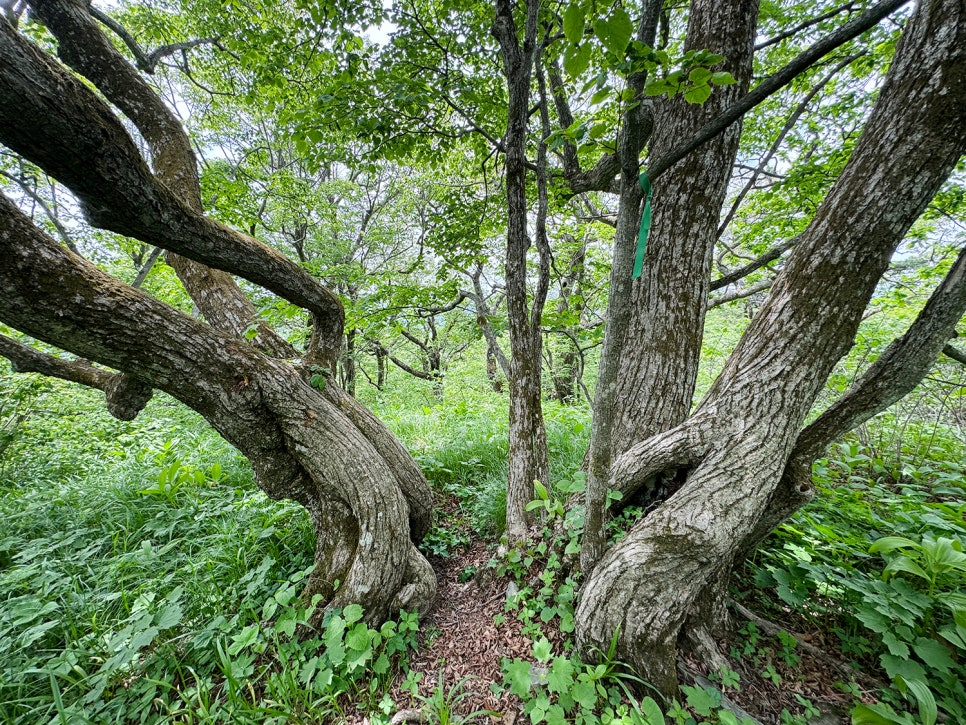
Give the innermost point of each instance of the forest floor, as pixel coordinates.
(773, 678)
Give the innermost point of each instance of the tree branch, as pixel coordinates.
(954, 353)
(774, 83)
(126, 396)
(807, 24)
(56, 122)
(146, 62)
(740, 294)
(773, 149)
(742, 272)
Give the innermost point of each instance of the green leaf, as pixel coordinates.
(358, 638)
(352, 613)
(652, 711)
(924, 698)
(879, 714)
(577, 60)
(517, 674)
(585, 693)
(169, 616)
(615, 32)
(542, 650)
(573, 23)
(934, 654)
(659, 87)
(697, 94)
(904, 563)
(895, 645)
(560, 676)
(701, 699)
(699, 75)
(890, 543)
(723, 78)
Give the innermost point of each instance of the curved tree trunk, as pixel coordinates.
(366, 497)
(736, 445)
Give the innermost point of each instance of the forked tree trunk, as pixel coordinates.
(736, 445)
(366, 497)
(528, 460)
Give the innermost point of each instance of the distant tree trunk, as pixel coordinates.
(366, 497)
(348, 363)
(649, 588)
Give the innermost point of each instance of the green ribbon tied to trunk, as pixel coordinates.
(645, 226)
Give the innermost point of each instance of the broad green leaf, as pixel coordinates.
(904, 563)
(924, 698)
(585, 693)
(577, 60)
(542, 650)
(560, 676)
(890, 543)
(934, 654)
(879, 714)
(615, 32)
(352, 613)
(573, 23)
(896, 646)
(699, 75)
(652, 711)
(168, 617)
(723, 78)
(697, 94)
(517, 675)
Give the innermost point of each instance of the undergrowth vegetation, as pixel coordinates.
(144, 578)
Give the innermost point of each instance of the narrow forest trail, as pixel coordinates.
(462, 642)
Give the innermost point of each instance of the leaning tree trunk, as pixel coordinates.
(367, 498)
(735, 446)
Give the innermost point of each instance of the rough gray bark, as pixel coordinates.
(367, 498)
(669, 301)
(737, 443)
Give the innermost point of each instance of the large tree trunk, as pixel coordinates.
(367, 499)
(669, 301)
(734, 448)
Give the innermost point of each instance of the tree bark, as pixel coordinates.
(528, 458)
(669, 301)
(737, 443)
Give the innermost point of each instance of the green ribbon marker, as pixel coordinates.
(645, 226)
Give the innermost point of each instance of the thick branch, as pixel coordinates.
(24, 359)
(774, 83)
(126, 396)
(681, 447)
(898, 370)
(52, 119)
(84, 47)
